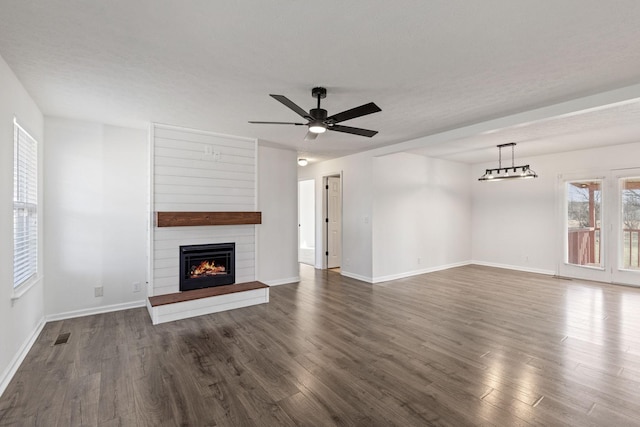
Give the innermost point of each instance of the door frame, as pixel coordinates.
(565, 269)
(621, 275)
(325, 215)
(611, 209)
(313, 225)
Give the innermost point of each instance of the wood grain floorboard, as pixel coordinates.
(469, 346)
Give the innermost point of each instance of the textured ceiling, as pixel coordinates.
(430, 65)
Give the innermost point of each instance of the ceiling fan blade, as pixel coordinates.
(292, 105)
(360, 111)
(356, 131)
(310, 136)
(277, 123)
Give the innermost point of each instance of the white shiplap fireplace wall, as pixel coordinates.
(198, 171)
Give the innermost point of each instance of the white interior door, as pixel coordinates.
(334, 222)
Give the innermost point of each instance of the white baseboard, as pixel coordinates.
(96, 310)
(390, 277)
(11, 370)
(356, 276)
(515, 267)
(281, 281)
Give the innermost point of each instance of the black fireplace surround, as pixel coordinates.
(205, 266)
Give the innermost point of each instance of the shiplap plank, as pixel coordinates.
(206, 164)
(164, 180)
(203, 207)
(216, 233)
(203, 173)
(170, 244)
(208, 191)
(198, 152)
(213, 200)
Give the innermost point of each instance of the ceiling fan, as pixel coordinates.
(318, 121)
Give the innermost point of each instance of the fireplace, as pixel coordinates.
(205, 266)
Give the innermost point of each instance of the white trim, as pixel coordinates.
(418, 272)
(151, 217)
(25, 287)
(15, 122)
(256, 204)
(514, 267)
(278, 282)
(356, 276)
(17, 360)
(96, 310)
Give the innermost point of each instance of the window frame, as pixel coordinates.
(25, 205)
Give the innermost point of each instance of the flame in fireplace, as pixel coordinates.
(207, 268)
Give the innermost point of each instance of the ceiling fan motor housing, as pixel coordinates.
(318, 113)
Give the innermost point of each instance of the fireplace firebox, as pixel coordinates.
(205, 266)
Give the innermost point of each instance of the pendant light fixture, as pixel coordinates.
(509, 172)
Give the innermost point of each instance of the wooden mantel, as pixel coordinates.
(190, 219)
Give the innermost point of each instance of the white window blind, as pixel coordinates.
(25, 206)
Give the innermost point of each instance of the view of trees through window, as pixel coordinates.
(584, 207)
(630, 197)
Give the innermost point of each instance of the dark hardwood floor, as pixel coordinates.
(467, 346)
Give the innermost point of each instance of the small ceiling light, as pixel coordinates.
(303, 162)
(317, 126)
(503, 173)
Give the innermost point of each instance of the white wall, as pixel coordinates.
(516, 223)
(421, 215)
(277, 200)
(396, 209)
(356, 211)
(96, 198)
(22, 318)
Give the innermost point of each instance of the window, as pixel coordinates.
(25, 206)
(630, 223)
(584, 231)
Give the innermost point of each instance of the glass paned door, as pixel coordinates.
(626, 263)
(584, 223)
(630, 223)
(585, 236)
(601, 227)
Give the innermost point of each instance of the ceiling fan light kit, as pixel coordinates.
(318, 121)
(317, 127)
(509, 172)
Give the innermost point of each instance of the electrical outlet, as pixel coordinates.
(419, 260)
(98, 291)
(136, 286)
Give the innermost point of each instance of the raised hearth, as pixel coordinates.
(182, 305)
